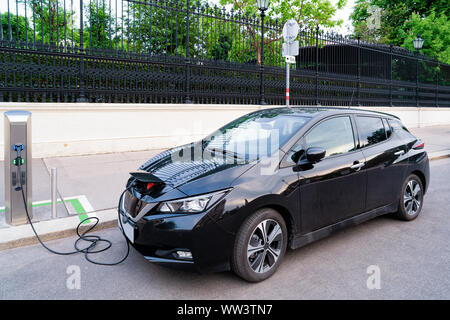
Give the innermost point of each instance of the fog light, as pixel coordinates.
(184, 254)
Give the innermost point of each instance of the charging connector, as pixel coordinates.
(18, 161)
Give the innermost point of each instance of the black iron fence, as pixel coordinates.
(169, 51)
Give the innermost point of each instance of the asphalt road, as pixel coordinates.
(413, 259)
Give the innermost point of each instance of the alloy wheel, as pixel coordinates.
(264, 246)
(412, 197)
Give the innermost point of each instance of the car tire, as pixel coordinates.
(256, 256)
(411, 198)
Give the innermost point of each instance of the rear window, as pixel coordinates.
(371, 130)
(398, 127)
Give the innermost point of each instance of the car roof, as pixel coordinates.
(314, 111)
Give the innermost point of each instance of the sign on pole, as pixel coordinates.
(290, 30)
(290, 49)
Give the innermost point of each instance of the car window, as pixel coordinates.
(371, 130)
(400, 129)
(256, 135)
(335, 135)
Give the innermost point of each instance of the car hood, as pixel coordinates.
(202, 174)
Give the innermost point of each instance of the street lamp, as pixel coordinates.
(418, 43)
(262, 6)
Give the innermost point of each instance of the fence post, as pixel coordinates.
(82, 97)
(358, 92)
(317, 66)
(390, 74)
(1, 44)
(437, 85)
(187, 80)
(417, 79)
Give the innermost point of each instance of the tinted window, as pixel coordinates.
(334, 135)
(371, 130)
(400, 129)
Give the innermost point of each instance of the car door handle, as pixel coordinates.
(399, 153)
(357, 166)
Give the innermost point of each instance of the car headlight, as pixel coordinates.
(192, 204)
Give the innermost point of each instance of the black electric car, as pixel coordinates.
(270, 180)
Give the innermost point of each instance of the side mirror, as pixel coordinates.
(314, 154)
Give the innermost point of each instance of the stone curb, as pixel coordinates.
(19, 236)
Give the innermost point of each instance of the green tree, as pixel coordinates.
(361, 15)
(52, 22)
(222, 47)
(162, 29)
(307, 13)
(100, 26)
(434, 29)
(11, 23)
(400, 21)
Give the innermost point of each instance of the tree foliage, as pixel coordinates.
(434, 29)
(100, 26)
(51, 22)
(307, 13)
(11, 23)
(400, 21)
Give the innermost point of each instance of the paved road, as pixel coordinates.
(413, 258)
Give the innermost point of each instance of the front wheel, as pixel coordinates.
(260, 245)
(411, 199)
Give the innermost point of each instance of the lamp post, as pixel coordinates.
(187, 61)
(82, 97)
(262, 6)
(418, 43)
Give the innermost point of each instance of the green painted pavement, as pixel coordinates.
(76, 204)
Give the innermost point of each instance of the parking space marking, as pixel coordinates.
(81, 205)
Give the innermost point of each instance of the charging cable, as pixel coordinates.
(92, 238)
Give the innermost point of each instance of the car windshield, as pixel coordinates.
(257, 134)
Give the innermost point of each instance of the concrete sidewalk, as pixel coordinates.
(92, 186)
(437, 140)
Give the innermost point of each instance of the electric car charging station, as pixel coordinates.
(18, 188)
(18, 166)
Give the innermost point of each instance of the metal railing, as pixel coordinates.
(168, 51)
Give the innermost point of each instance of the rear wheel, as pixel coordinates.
(411, 199)
(260, 245)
